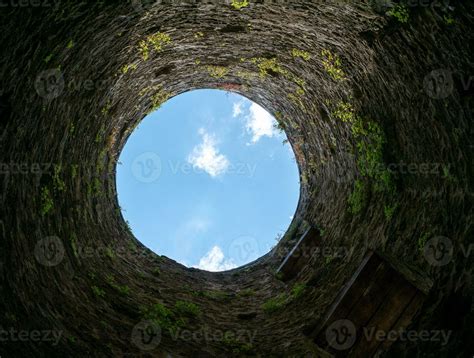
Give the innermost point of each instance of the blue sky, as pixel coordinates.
(207, 181)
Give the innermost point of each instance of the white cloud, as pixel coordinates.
(215, 261)
(237, 110)
(206, 156)
(260, 123)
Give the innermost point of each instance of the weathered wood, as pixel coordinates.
(376, 298)
(299, 254)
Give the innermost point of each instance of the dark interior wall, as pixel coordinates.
(410, 80)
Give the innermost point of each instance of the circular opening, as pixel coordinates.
(208, 180)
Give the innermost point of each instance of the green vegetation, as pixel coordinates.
(248, 292)
(217, 72)
(274, 304)
(187, 309)
(422, 241)
(94, 188)
(58, 183)
(266, 66)
(157, 41)
(73, 240)
(446, 173)
(236, 4)
(448, 19)
(48, 58)
(124, 290)
(170, 320)
(98, 292)
(333, 65)
(158, 99)
(389, 210)
(301, 54)
(199, 35)
(213, 295)
(400, 12)
(105, 110)
(370, 140)
(74, 168)
(128, 67)
(298, 290)
(70, 44)
(237, 347)
(46, 201)
(110, 252)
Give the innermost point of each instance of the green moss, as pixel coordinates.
(105, 110)
(399, 12)
(159, 40)
(236, 4)
(74, 168)
(333, 65)
(187, 309)
(213, 295)
(275, 304)
(389, 210)
(73, 239)
(233, 344)
(248, 292)
(446, 174)
(158, 99)
(358, 197)
(48, 58)
(110, 252)
(296, 53)
(144, 50)
(298, 290)
(156, 42)
(422, 241)
(46, 201)
(128, 67)
(199, 35)
(344, 112)
(58, 183)
(94, 188)
(268, 65)
(170, 320)
(217, 72)
(122, 289)
(70, 44)
(448, 20)
(98, 292)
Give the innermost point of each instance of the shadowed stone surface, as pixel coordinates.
(73, 121)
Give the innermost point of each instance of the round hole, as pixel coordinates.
(209, 180)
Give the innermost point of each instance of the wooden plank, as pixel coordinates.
(400, 294)
(366, 305)
(377, 297)
(299, 254)
(351, 292)
(411, 273)
(405, 318)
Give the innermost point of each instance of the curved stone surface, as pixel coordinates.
(358, 93)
